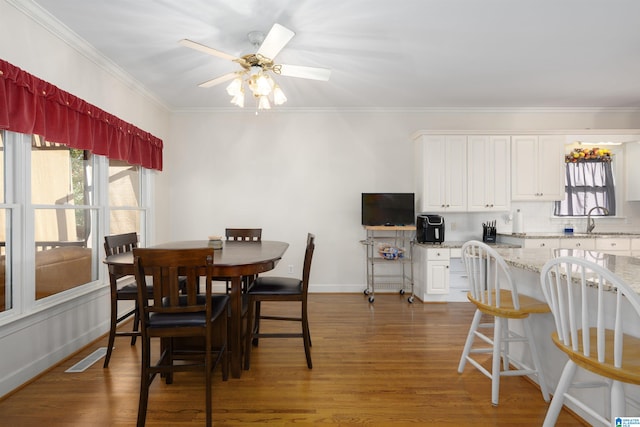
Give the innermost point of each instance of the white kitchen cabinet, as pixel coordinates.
(614, 245)
(635, 247)
(537, 167)
(541, 243)
(586, 244)
(632, 158)
(437, 271)
(441, 173)
(488, 174)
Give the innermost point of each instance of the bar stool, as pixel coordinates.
(495, 294)
(594, 312)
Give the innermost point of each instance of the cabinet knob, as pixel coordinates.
(613, 244)
(577, 245)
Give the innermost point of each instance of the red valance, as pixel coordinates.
(32, 106)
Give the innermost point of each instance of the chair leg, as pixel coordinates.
(470, 336)
(112, 332)
(495, 363)
(536, 360)
(249, 334)
(136, 323)
(145, 382)
(256, 325)
(306, 336)
(558, 396)
(618, 400)
(208, 368)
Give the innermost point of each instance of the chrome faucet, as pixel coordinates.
(591, 223)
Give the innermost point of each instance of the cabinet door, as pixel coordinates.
(537, 167)
(438, 277)
(551, 167)
(441, 173)
(488, 175)
(541, 243)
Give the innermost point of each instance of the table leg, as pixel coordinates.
(235, 337)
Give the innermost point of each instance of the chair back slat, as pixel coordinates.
(120, 243)
(308, 256)
(591, 306)
(488, 275)
(176, 276)
(244, 234)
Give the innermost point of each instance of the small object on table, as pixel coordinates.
(215, 242)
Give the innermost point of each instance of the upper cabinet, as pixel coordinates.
(488, 174)
(441, 173)
(537, 167)
(632, 157)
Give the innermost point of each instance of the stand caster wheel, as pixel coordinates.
(367, 292)
(410, 299)
(371, 299)
(401, 291)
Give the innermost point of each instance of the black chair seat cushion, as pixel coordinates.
(270, 285)
(132, 290)
(173, 320)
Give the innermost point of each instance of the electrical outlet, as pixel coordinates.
(290, 269)
(454, 226)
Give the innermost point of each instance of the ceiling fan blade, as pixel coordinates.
(218, 80)
(305, 72)
(277, 38)
(206, 49)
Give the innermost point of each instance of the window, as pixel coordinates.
(125, 205)
(589, 183)
(56, 205)
(61, 194)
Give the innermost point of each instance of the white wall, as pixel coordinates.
(32, 343)
(291, 173)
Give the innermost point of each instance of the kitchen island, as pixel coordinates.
(526, 265)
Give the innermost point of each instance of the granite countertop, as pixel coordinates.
(457, 245)
(574, 235)
(625, 267)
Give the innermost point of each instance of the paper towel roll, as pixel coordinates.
(518, 222)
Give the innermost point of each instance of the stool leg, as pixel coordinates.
(558, 397)
(470, 336)
(495, 363)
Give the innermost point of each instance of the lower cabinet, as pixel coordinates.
(432, 278)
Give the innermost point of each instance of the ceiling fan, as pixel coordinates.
(256, 68)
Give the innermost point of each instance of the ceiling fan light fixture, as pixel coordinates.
(278, 96)
(238, 99)
(235, 87)
(263, 103)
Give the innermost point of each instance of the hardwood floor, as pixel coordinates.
(386, 363)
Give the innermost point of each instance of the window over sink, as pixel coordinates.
(589, 182)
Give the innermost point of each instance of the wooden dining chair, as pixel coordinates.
(242, 235)
(288, 289)
(593, 334)
(177, 318)
(122, 288)
(495, 294)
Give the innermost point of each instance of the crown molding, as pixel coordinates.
(80, 45)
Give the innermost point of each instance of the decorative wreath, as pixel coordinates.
(595, 154)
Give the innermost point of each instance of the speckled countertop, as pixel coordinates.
(457, 245)
(574, 235)
(625, 267)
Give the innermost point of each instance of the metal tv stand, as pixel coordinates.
(390, 272)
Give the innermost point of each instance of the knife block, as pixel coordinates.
(488, 234)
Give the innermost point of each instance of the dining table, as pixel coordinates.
(235, 260)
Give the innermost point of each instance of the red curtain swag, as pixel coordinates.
(32, 106)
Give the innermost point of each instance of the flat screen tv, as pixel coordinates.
(388, 209)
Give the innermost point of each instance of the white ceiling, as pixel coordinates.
(401, 54)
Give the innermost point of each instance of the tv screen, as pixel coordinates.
(388, 209)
